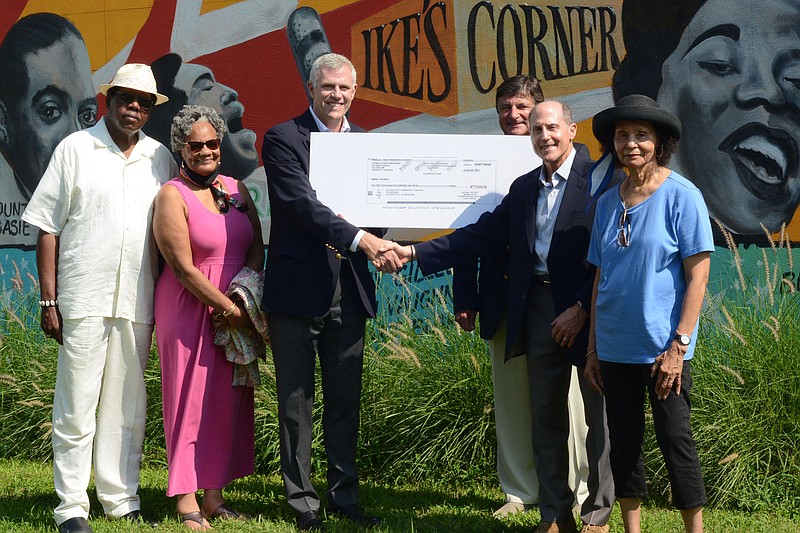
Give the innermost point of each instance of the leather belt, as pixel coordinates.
(542, 280)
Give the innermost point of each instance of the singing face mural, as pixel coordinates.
(734, 80)
(47, 93)
(187, 83)
(238, 145)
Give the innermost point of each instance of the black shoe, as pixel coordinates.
(136, 517)
(352, 514)
(309, 521)
(74, 525)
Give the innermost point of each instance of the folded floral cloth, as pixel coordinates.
(243, 346)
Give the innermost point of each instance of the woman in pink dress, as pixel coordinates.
(207, 230)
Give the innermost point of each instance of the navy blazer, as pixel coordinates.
(308, 242)
(483, 289)
(486, 289)
(513, 224)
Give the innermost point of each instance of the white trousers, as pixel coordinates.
(512, 410)
(100, 398)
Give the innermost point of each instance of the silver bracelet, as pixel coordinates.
(48, 303)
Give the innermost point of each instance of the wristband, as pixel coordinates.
(48, 303)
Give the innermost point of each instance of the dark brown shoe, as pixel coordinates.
(309, 521)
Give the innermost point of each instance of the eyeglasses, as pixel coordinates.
(624, 225)
(145, 102)
(196, 146)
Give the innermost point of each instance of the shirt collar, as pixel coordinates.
(562, 172)
(323, 128)
(102, 139)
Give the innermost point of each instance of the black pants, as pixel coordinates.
(549, 374)
(625, 385)
(337, 338)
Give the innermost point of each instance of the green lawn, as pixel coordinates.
(27, 498)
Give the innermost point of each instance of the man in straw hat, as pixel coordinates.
(97, 267)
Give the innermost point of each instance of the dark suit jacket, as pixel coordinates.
(308, 242)
(513, 224)
(486, 289)
(483, 289)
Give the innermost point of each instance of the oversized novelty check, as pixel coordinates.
(416, 180)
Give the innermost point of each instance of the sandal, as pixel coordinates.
(196, 517)
(226, 512)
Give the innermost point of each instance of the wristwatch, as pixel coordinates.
(683, 339)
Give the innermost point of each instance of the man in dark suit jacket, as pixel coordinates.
(546, 222)
(484, 293)
(319, 293)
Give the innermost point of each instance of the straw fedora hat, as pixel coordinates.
(135, 76)
(633, 107)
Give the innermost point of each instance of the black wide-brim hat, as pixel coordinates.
(633, 107)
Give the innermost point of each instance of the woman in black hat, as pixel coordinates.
(651, 243)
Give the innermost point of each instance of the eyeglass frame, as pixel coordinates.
(203, 144)
(624, 225)
(146, 103)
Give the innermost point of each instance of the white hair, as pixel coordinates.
(329, 61)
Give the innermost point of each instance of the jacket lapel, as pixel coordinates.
(305, 126)
(529, 209)
(574, 191)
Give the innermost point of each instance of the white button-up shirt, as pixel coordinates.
(547, 204)
(100, 204)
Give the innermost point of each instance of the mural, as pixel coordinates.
(733, 78)
(47, 94)
(732, 75)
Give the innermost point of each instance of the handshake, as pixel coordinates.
(386, 256)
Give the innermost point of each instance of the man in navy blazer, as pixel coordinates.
(319, 293)
(485, 293)
(545, 220)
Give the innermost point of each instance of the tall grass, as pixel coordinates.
(27, 380)
(427, 411)
(747, 401)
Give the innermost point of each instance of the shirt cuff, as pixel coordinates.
(356, 240)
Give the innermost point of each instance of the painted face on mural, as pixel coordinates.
(734, 81)
(239, 144)
(513, 112)
(333, 95)
(60, 99)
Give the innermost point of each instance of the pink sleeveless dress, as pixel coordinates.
(208, 423)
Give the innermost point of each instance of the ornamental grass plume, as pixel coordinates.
(427, 407)
(746, 393)
(27, 378)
